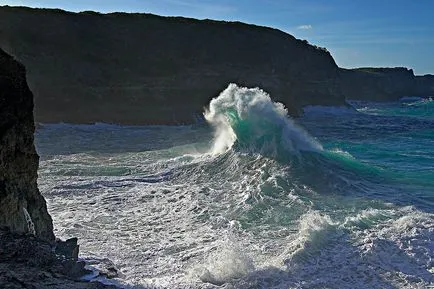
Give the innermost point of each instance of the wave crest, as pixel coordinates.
(249, 118)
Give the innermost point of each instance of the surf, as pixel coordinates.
(250, 199)
(248, 119)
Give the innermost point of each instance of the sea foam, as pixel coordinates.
(249, 118)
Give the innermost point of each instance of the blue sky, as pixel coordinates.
(357, 32)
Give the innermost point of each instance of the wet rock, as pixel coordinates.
(68, 249)
(29, 262)
(75, 269)
(105, 267)
(27, 256)
(22, 207)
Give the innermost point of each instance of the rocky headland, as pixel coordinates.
(22, 207)
(30, 257)
(146, 69)
(138, 69)
(384, 84)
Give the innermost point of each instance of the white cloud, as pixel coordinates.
(304, 27)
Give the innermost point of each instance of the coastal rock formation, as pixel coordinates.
(384, 84)
(22, 207)
(29, 257)
(146, 69)
(28, 262)
(424, 85)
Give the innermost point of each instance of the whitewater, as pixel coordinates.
(250, 198)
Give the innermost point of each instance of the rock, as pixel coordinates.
(27, 258)
(67, 252)
(424, 85)
(68, 249)
(22, 207)
(30, 262)
(384, 84)
(75, 269)
(146, 69)
(21, 249)
(104, 267)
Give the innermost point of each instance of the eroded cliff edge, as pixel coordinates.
(146, 69)
(22, 207)
(384, 84)
(29, 255)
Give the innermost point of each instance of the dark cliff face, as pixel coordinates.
(424, 85)
(144, 69)
(384, 84)
(22, 207)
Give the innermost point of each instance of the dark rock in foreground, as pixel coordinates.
(29, 262)
(29, 257)
(22, 207)
(146, 69)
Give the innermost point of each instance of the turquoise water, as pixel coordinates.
(395, 138)
(252, 199)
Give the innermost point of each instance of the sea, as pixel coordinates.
(342, 197)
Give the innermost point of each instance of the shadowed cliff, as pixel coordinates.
(29, 257)
(384, 84)
(22, 207)
(146, 69)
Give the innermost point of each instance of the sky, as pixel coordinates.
(358, 33)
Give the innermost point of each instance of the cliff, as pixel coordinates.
(22, 207)
(29, 257)
(424, 85)
(384, 84)
(380, 84)
(146, 69)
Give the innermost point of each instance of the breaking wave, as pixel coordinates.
(249, 119)
(269, 207)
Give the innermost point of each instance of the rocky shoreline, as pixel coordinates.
(30, 256)
(29, 262)
(158, 86)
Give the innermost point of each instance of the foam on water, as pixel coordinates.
(422, 108)
(318, 109)
(314, 229)
(171, 215)
(410, 98)
(250, 117)
(228, 262)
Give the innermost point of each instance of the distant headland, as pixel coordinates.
(146, 69)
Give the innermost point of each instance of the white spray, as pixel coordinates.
(30, 224)
(255, 107)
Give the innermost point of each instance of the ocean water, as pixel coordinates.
(340, 198)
